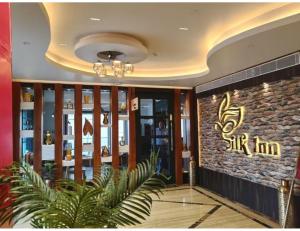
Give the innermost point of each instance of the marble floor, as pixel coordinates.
(185, 207)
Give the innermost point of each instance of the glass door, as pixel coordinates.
(154, 130)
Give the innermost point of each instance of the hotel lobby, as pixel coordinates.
(150, 115)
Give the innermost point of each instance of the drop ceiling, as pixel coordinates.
(188, 43)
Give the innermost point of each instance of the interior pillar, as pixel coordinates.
(177, 138)
(6, 131)
(115, 127)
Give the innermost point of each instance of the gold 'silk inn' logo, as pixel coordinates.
(231, 118)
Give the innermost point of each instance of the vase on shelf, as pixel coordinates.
(105, 119)
(123, 107)
(122, 141)
(86, 99)
(69, 105)
(88, 127)
(27, 97)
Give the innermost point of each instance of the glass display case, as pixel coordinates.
(26, 123)
(87, 133)
(48, 127)
(123, 127)
(48, 124)
(68, 158)
(106, 126)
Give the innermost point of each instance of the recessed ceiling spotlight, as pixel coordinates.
(62, 44)
(183, 28)
(95, 19)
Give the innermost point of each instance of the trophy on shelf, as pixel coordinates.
(69, 152)
(48, 139)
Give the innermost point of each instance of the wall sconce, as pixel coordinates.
(266, 87)
(214, 98)
(236, 93)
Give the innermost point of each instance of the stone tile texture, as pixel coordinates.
(273, 114)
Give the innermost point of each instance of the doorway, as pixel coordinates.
(155, 129)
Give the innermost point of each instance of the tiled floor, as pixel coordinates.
(184, 207)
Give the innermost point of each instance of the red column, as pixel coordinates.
(6, 134)
(6, 137)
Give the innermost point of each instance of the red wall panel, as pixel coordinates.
(6, 152)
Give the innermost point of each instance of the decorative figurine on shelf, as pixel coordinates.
(87, 128)
(105, 152)
(122, 141)
(69, 104)
(48, 139)
(27, 97)
(69, 154)
(123, 107)
(86, 99)
(105, 119)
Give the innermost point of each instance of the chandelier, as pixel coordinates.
(111, 60)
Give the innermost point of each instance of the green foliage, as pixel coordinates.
(115, 198)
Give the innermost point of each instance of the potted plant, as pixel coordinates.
(114, 198)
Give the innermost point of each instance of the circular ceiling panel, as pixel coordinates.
(132, 50)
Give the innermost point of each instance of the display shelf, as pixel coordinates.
(123, 117)
(68, 163)
(186, 154)
(107, 159)
(123, 149)
(68, 137)
(87, 147)
(26, 133)
(27, 106)
(48, 152)
(89, 106)
(68, 111)
(105, 125)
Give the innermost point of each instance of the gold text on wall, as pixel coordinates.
(230, 118)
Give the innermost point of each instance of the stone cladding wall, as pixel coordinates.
(272, 113)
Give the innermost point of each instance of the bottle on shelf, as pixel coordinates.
(69, 131)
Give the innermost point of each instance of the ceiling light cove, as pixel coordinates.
(165, 45)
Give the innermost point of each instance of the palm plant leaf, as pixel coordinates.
(114, 198)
